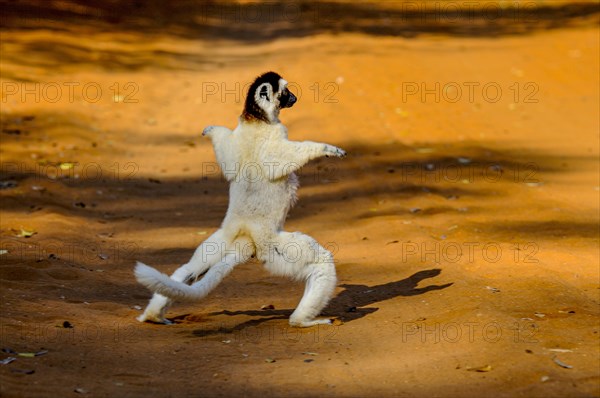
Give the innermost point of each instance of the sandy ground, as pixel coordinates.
(464, 221)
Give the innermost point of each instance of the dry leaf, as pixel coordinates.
(561, 363)
(424, 150)
(26, 354)
(23, 233)
(485, 368)
(559, 350)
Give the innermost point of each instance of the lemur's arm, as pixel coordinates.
(283, 157)
(224, 150)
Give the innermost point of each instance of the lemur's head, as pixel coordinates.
(266, 96)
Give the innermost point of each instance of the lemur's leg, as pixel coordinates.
(240, 251)
(299, 256)
(205, 256)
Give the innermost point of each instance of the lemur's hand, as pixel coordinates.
(331, 150)
(207, 130)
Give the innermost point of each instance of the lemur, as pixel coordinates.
(259, 162)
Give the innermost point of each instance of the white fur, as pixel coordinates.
(259, 162)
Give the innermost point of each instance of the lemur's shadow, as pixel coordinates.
(347, 305)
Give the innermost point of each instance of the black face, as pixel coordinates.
(252, 111)
(287, 99)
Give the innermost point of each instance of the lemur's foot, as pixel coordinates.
(154, 318)
(314, 322)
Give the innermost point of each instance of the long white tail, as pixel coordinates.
(163, 284)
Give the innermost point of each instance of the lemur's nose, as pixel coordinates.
(291, 100)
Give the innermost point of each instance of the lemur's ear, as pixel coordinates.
(264, 92)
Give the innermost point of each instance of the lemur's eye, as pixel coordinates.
(264, 93)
